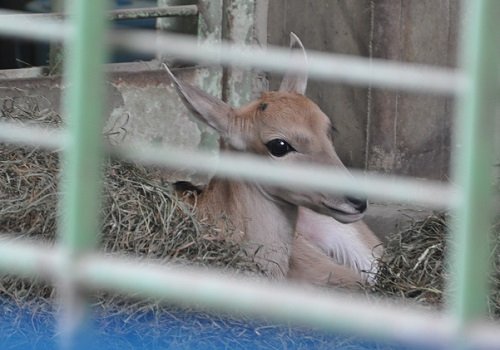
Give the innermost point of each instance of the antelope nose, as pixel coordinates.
(359, 204)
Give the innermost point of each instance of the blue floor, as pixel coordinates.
(35, 328)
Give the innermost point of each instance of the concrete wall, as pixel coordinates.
(396, 132)
(142, 107)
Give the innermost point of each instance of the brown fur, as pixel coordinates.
(325, 252)
(267, 226)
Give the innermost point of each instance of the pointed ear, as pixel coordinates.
(296, 80)
(205, 107)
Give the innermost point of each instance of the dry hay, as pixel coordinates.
(415, 266)
(141, 215)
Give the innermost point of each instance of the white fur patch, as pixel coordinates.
(342, 242)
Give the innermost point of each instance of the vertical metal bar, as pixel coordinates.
(210, 78)
(81, 165)
(245, 22)
(239, 27)
(210, 31)
(473, 161)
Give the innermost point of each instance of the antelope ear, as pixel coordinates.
(296, 80)
(205, 107)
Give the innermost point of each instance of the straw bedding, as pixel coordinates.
(140, 214)
(415, 265)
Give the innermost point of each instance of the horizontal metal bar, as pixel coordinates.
(17, 24)
(120, 14)
(279, 302)
(313, 177)
(476, 131)
(330, 310)
(259, 169)
(49, 27)
(25, 258)
(153, 12)
(15, 133)
(321, 66)
(353, 70)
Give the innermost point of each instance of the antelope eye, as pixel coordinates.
(279, 147)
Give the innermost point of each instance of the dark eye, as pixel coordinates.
(279, 148)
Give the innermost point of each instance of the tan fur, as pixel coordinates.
(324, 251)
(267, 226)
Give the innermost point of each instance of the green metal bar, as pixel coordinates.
(474, 160)
(84, 107)
(81, 165)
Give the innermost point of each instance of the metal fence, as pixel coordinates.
(73, 264)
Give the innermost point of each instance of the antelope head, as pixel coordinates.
(283, 125)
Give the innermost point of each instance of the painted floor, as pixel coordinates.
(36, 328)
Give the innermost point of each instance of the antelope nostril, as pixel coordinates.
(359, 204)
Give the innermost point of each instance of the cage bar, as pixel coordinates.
(473, 161)
(84, 109)
(81, 166)
(153, 12)
(239, 83)
(314, 177)
(352, 70)
(50, 139)
(332, 311)
(18, 24)
(124, 14)
(436, 194)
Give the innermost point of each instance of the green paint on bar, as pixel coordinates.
(82, 162)
(84, 111)
(473, 162)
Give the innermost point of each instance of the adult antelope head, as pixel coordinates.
(283, 125)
